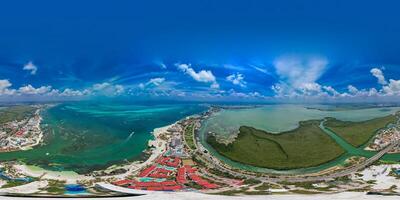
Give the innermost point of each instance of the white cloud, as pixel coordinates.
(4, 87)
(205, 76)
(99, 89)
(30, 67)
(29, 89)
(101, 86)
(5, 84)
(265, 71)
(298, 76)
(157, 87)
(160, 64)
(379, 75)
(214, 85)
(71, 93)
(297, 72)
(330, 90)
(152, 82)
(141, 85)
(236, 79)
(310, 88)
(294, 85)
(393, 88)
(352, 89)
(156, 81)
(119, 89)
(107, 89)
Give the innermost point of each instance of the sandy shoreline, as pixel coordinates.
(41, 135)
(159, 147)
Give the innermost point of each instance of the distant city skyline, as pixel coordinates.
(283, 51)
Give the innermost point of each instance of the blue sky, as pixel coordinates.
(200, 50)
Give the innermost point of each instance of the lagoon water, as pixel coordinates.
(87, 136)
(284, 117)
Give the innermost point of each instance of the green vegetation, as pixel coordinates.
(264, 186)
(251, 181)
(304, 192)
(15, 113)
(358, 133)
(55, 187)
(305, 185)
(305, 146)
(229, 192)
(189, 136)
(10, 184)
(343, 179)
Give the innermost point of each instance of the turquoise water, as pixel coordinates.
(149, 179)
(278, 118)
(87, 136)
(283, 117)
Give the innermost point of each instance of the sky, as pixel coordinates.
(202, 50)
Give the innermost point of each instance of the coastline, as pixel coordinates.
(73, 177)
(41, 135)
(35, 128)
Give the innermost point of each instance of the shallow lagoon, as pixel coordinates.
(278, 118)
(88, 136)
(283, 117)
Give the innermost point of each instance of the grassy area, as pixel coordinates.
(11, 184)
(358, 133)
(251, 181)
(15, 113)
(264, 186)
(304, 146)
(189, 136)
(304, 192)
(55, 187)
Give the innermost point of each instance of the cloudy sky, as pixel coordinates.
(200, 50)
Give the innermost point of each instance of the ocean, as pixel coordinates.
(87, 136)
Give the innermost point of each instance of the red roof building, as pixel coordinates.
(162, 170)
(155, 188)
(172, 188)
(123, 182)
(190, 169)
(174, 163)
(181, 175)
(158, 175)
(147, 171)
(199, 181)
(19, 133)
(147, 184)
(168, 183)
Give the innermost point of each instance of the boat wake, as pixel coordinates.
(130, 136)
